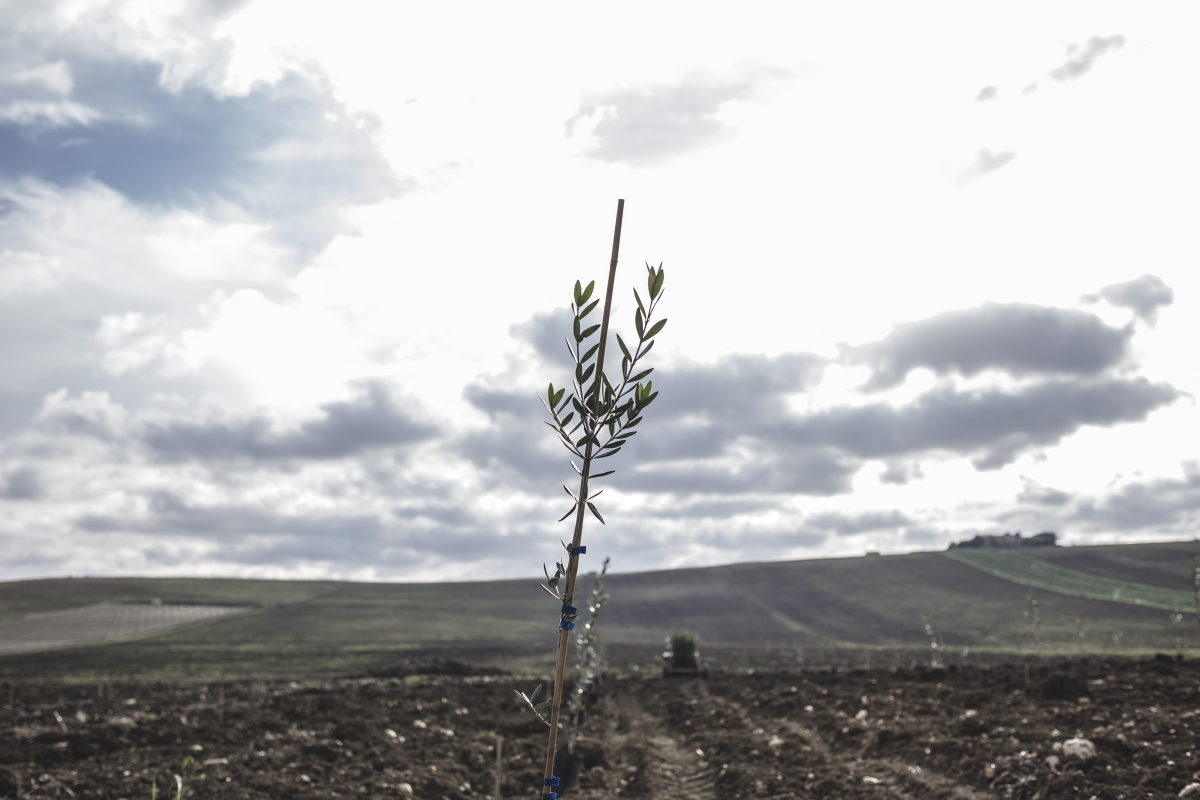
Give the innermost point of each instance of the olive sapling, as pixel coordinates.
(593, 421)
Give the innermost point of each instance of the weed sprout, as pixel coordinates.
(180, 787)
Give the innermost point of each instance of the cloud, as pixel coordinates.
(1019, 339)
(739, 426)
(851, 524)
(1162, 506)
(178, 531)
(993, 427)
(985, 163)
(901, 472)
(1144, 295)
(650, 125)
(21, 484)
(373, 420)
(1038, 495)
(285, 152)
(1165, 504)
(1081, 59)
(987, 93)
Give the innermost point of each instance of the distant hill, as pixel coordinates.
(872, 602)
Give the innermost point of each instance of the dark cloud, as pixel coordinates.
(516, 448)
(546, 332)
(374, 420)
(250, 536)
(1081, 58)
(771, 470)
(1144, 295)
(1166, 504)
(648, 126)
(21, 484)
(733, 427)
(993, 427)
(901, 472)
(1038, 495)
(285, 152)
(1022, 340)
(709, 417)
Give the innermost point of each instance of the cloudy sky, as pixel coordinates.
(280, 281)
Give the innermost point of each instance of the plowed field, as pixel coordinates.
(913, 734)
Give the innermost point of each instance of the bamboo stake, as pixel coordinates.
(564, 636)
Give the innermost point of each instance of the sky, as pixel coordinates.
(281, 282)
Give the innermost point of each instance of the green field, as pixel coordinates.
(807, 608)
(1040, 574)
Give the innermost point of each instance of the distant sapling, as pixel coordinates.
(1033, 617)
(589, 657)
(1196, 585)
(935, 661)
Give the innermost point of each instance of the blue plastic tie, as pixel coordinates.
(570, 611)
(549, 795)
(550, 781)
(567, 626)
(578, 551)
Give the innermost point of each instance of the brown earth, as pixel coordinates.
(972, 733)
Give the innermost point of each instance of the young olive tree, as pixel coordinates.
(593, 418)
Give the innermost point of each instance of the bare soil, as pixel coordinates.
(971, 733)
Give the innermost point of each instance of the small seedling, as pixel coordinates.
(180, 788)
(593, 421)
(589, 659)
(1176, 617)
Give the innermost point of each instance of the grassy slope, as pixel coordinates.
(874, 601)
(1043, 574)
(867, 602)
(1164, 564)
(18, 598)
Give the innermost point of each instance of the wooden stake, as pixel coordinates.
(564, 636)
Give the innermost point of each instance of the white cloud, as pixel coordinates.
(280, 358)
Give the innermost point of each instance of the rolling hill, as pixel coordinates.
(806, 608)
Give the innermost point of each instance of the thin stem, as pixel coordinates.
(573, 562)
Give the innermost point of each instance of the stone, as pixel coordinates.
(1083, 749)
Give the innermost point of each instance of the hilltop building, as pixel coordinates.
(1010, 540)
